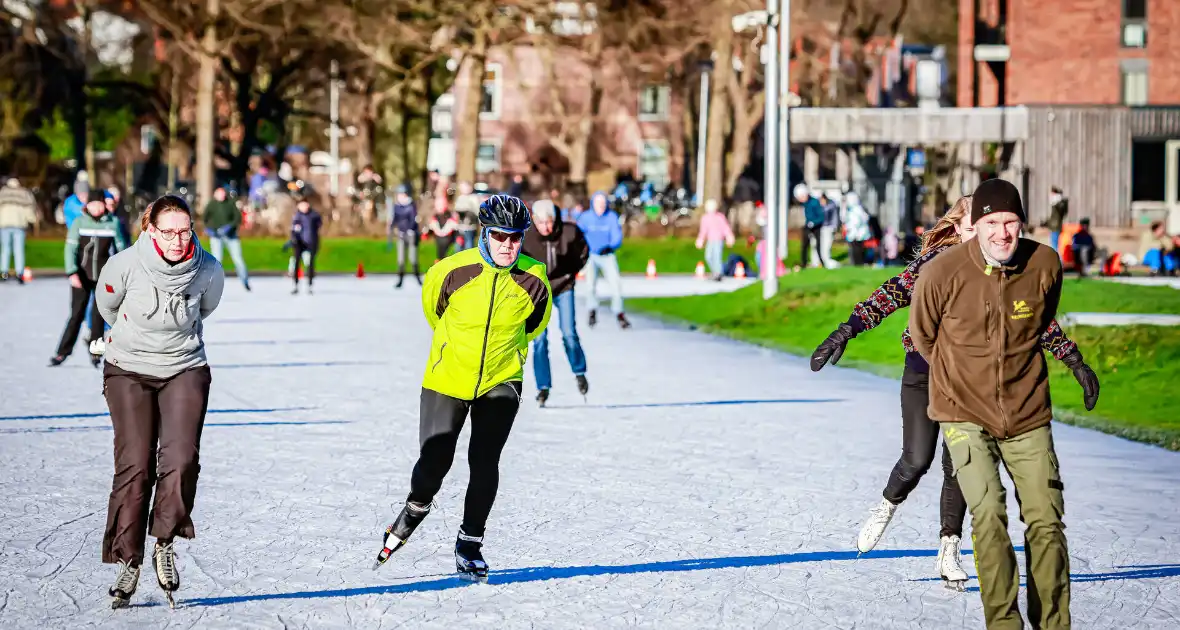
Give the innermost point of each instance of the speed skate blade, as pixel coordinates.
(387, 552)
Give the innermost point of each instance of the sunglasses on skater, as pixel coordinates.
(512, 237)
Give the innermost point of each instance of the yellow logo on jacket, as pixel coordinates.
(1021, 310)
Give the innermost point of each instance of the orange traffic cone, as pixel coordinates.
(699, 274)
(360, 270)
(739, 271)
(299, 273)
(651, 268)
(27, 275)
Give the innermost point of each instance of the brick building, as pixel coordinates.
(1069, 52)
(639, 130)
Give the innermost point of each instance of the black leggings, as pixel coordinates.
(920, 436)
(79, 299)
(810, 233)
(443, 244)
(300, 249)
(440, 423)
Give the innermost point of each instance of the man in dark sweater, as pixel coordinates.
(562, 248)
(978, 315)
(222, 221)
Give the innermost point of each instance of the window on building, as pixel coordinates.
(1134, 24)
(1134, 73)
(487, 157)
(653, 163)
(653, 102)
(489, 102)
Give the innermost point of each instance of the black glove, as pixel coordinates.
(832, 348)
(606, 250)
(1085, 376)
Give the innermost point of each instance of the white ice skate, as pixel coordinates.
(125, 583)
(164, 561)
(950, 566)
(874, 528)
(98, 347)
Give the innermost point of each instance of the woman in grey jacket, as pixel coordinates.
(155, 296)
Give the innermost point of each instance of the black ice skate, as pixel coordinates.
(398, 533)
(124, 588)
(593, 319)
(469, 561)
(583, 385)
(542, 397)
(164, 562)
(623, 323)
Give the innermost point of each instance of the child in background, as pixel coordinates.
(305, 238)
(714, 236)
(443, 226)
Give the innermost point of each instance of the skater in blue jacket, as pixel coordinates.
(604, 235)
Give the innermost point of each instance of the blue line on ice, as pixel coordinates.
(703, 403)
(103, 414)
(260, 320)
(106, 427)
(232, 366)
(268, 342)
(1140, 572)
(540, 574)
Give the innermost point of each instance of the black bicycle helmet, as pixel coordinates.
(505, 212)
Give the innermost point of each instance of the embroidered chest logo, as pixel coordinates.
(1021, 310)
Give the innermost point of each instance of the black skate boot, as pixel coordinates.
(623, 323)
(125, 583)
(396, 535)
(164, 562)
(593, 319)
(583, 385)
(57, 360)
(469, 560)
(542, 397)
(401, 279)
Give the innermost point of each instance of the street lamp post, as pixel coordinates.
(334, 144)
(784, 132)
(769, 267)
(703, 133)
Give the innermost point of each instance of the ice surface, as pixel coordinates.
(706, 484)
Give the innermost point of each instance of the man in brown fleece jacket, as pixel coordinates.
(978, 313)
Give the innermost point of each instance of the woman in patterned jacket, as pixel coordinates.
(920, 433)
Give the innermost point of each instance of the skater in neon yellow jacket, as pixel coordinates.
(484, 305)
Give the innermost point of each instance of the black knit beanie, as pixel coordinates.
(996, 195)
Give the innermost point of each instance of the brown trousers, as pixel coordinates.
(145, 412)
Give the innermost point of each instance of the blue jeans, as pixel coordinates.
(569, 336)
(609, 266)
(715, 257)
(12, 246)
(469, 237)
(235, 253)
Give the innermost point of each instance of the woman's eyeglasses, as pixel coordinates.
(171, 235)
(511, 237)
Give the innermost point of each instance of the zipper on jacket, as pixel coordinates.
(1000, 363)
(483, 355)
(440, 352)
